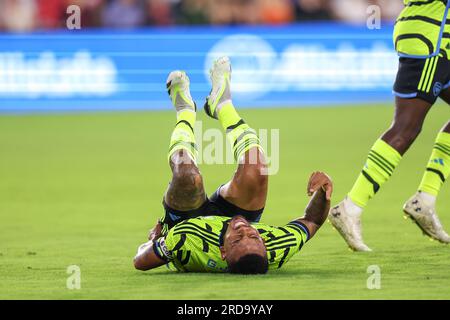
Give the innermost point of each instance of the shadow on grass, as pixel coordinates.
(273, 274)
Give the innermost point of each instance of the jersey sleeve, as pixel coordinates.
(172, 248)
(300, 229)
(282, 243)
(162, 248)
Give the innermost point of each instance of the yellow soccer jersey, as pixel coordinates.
(422, 29)
(194, 244)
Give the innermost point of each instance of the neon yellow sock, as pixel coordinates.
(228, 116)
(380, 164)
(183, 134)
(239, 133)
(438, 168)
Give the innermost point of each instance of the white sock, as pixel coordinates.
(428, 198)
(351, 208)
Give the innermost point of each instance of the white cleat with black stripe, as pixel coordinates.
(425, 217)
(177, 84)
(220, 75)
(349, 226)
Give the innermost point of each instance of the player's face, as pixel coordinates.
(241, 239)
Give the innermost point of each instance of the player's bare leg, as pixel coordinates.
(248, 188)
(185, 191)
(408, 120)
(422, 206)
(381, 163)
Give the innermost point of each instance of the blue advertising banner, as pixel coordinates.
(296, 65)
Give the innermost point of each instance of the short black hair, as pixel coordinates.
(250, 264)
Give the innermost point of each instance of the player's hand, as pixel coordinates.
(320, 180)
(155, 233)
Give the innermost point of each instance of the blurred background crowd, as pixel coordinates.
(26, 15)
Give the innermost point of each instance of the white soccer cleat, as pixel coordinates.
(349, 226)
(220, 75)
(425, 217)
(178, 89)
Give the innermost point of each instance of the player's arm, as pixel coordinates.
(149, 254)
(320, 187)
(146, 258)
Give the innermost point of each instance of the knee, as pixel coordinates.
(188, 178)
(256, 177)
(408, 134)
(402, 135)
(262, 175)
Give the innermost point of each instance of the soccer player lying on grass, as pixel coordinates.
(244, 196)
(223, 244)
(422, 40)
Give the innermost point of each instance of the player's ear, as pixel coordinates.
(222, 252)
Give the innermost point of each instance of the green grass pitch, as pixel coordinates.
(84, 189)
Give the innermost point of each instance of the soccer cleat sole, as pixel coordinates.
(343, 237)
(409, 216)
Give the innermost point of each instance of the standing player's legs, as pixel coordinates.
(438, 167)
(383, 158)
(246, 193)
(407, 124)
(416, 88)
(185, 194)
(437, 171)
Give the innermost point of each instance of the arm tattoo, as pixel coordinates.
(317, 209)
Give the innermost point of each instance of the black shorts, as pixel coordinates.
(216, 205)
(422, 78)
